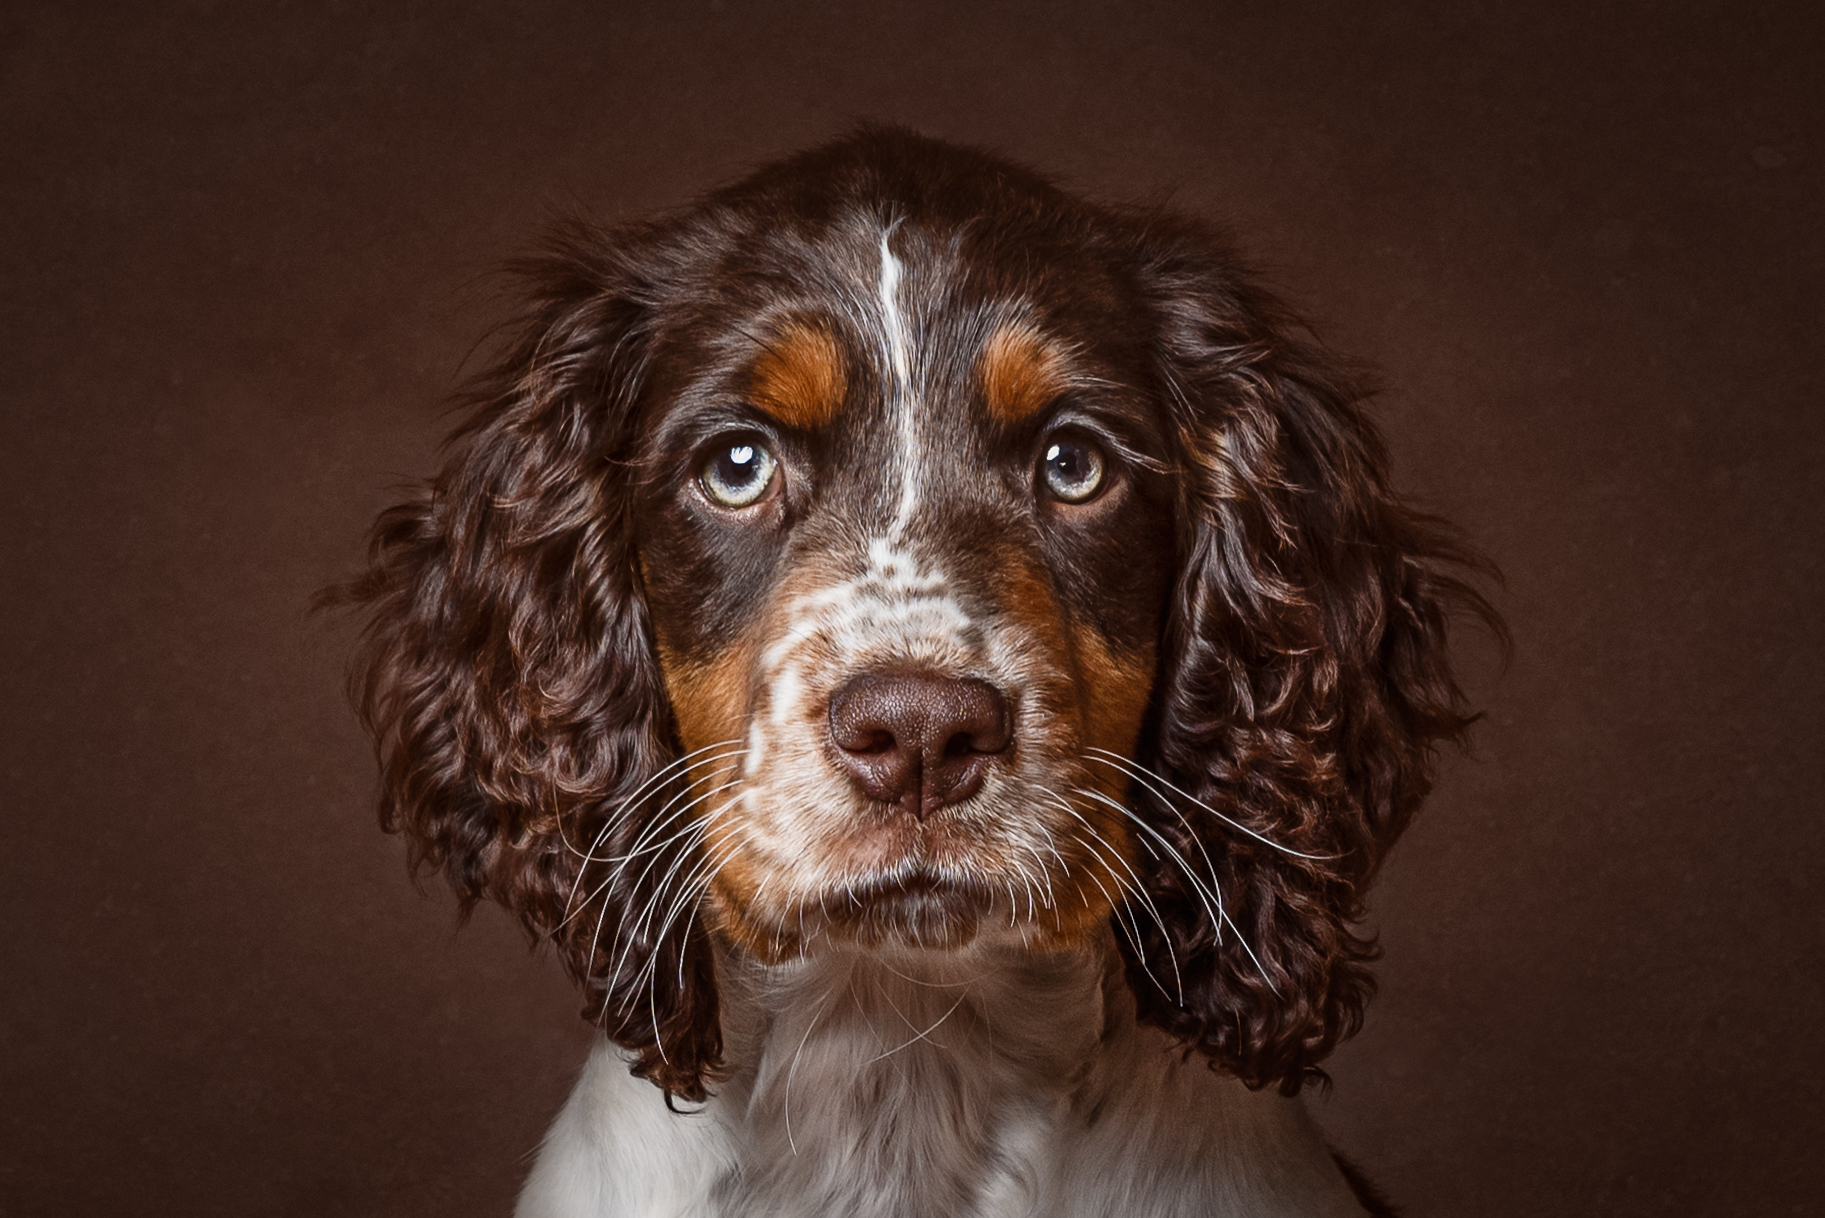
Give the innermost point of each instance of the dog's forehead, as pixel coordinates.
(879, 327)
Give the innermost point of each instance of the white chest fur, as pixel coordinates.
(989, 1084)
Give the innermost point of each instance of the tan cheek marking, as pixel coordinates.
(1115, 687)
(1026, 598)
(1111, 696)
(710, 701)
(709, 698)
(800, 377)
(1022, 372)
(1087, 910)
(732, 911)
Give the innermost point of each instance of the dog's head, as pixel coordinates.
(894, 548)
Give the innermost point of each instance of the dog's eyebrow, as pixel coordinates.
(1022, 371)
(800, 376)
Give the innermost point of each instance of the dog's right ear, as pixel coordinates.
(507, 672)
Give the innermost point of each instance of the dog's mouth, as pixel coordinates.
(922, 908)
(806, 859)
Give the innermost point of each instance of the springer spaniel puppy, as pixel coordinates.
(941, 662)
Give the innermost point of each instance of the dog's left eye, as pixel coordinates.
(738, 474)
(1072, 468)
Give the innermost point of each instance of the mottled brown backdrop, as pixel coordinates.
(246, 248)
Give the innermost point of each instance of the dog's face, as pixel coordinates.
(907, 542)
(894, 548)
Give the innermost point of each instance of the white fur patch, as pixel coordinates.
(617, 1150)
(903, 403)
(989, 1083)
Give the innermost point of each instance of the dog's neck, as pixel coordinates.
(991, 1082)
(908, 1082)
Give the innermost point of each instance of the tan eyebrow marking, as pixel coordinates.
(1022, 372)
(801, 375)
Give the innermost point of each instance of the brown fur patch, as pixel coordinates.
(800, 377)
(710, 703)
(709, 698)
(1114, 688)
(731, 899)
(1022, 372)
(1101, 698)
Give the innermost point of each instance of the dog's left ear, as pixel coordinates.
(1305, 677)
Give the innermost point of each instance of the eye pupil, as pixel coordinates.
(1072, 469)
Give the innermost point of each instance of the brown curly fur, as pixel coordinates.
(508, 675)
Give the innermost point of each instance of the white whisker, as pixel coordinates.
(620, 862)
(627, 809)
(793, 1069)
(1219, 916)
(1139, 889)
(671, 769)
(921, 1036)
(1199, 885)
(1117, 761)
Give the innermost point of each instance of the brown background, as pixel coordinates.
(245, 253)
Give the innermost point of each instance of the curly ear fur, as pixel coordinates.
(507, 672)
(1305, 678)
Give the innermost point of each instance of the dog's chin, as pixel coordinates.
(920, 910)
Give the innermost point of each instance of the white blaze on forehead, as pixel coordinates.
(899, 351)
(901, 401)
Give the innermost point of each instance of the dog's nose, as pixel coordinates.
(917, 739)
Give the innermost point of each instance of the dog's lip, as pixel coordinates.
(920, 906)
(918, 883)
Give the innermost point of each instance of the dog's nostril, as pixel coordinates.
(917, 739)
(987, 733)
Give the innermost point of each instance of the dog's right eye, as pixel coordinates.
(738, 474)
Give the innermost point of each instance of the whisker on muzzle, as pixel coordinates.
(1210, 893)
(1154, 783)
(631, 805)
(1131, 888)
(642, 846)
